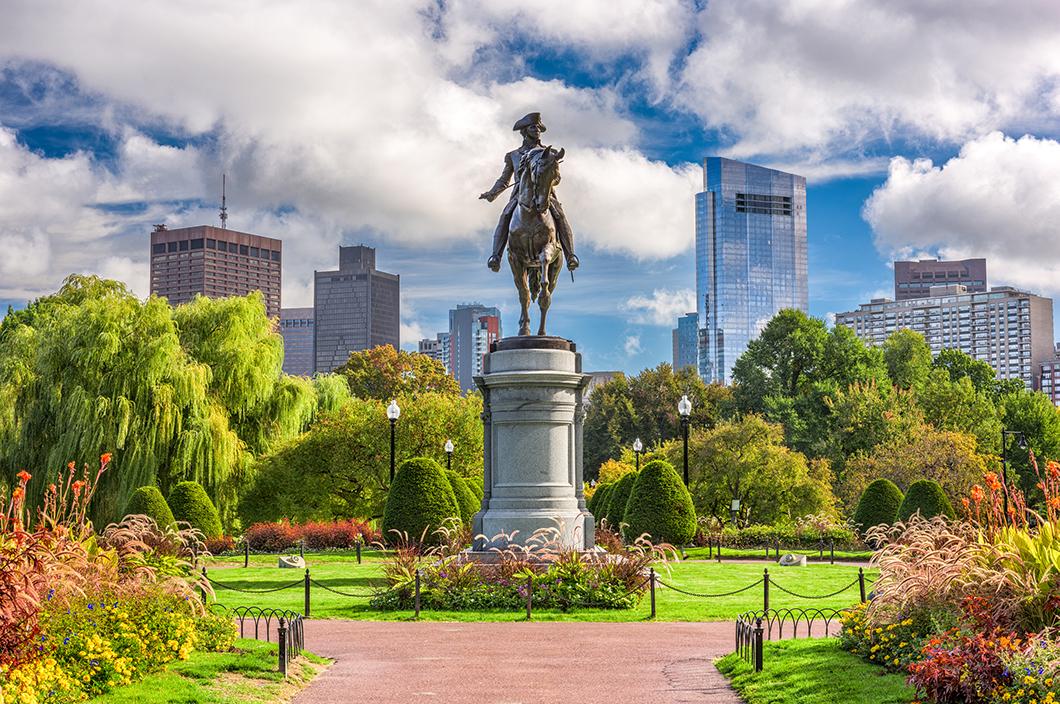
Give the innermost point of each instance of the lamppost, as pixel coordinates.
(448, 455)
(1021, 441)
(735, 510)
(684, 408)
(638, 447)
(393, 412)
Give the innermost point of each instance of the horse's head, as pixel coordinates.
(544, 175)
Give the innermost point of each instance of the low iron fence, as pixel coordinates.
(825, 549)
(753, 628)
(289, 629)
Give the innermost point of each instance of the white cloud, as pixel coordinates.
(999, 198)
(814, 78)
(663, 307)
(632, 345)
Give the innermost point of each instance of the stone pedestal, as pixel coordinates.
(532, 416)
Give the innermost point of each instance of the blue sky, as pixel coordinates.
(922, 131)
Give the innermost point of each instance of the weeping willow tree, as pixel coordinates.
(187, 394)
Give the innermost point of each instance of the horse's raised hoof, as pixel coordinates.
(494, 263)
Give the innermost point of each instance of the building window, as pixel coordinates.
(159, 248)
(182, 246)
(211, 244)
(196, 244)
(243, 249)
(171, 247)
(275, 256)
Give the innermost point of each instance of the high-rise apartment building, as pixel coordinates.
(216, 263)
(915, 279)
(356, 307)
(750, 257)
(686, 341)
(1011, 330)
(438, 349)
(473, 327)
(296, 326)
(1049, 377)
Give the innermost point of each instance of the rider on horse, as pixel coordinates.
(531, 128)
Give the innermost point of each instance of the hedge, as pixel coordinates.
(758, 536)
(660, 506)
(927, 497)
(465, 498)
(878, 504)
(420, 501)
(189, 502)
(619, 499)
(600, 500)
(148, 501)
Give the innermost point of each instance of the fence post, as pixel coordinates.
(719, 549)
(831, 549)
(301, 548)
(281, 639)
(758, 646)
(307, 592)
(765, 590)
(861, 583)
(358, 545)
(651, 580)
(246, 553)
(710, 546)
(202, 587)
(529, 596)
(417, 597)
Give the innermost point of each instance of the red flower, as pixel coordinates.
(1054, 469)
(977, 493)
(78, 485)
(70, 466)
(992, 482)
(24, 476)
(105, 458)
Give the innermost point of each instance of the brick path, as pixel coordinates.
(519, 663)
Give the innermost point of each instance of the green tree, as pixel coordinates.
(189, 502)
(1034, 415)
(148, 501)
(781, 362)
(878, 505)
(384, 373)
(465, 499)
(959, 365)
(420, 502)
(616, 504)
(957, 405)
(927, 498)
(746, 459)
(908, 358)
(660, 506)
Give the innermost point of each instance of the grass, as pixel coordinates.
(344, 574)
(247, 675)
(701, 553)
(813, 670)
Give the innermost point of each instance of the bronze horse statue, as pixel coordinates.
(534, 253)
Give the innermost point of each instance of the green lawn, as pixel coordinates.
(344, 574)
(248, 675)
(760, 554)
(811, 671)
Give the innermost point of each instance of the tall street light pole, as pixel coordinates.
(684, 409)
(393, 412)
(1021, 440)
(638, 447)
(448, 455)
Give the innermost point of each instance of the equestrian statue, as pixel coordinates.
(532, 224)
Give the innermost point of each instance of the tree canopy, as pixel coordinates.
(384, 373)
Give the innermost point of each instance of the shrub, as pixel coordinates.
(271, 537)
(660, 506)
(878, 504)
(475, 485)
(616, 505)
(757, 536)
(464, 498)
(221, 545)
(600, 500)
(420, 501)
(190, 503)
(927, 497)
(322, 535)
(215, 632)
(148, 501)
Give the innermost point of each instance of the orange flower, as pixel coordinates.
(51, 488)
(78, 485)
(24, 476)
(18, 493)
(105, 458)
(70, 466)
(992, 482)
(977, 493)
(1054, 469)
(1055, 502)
(965, 502)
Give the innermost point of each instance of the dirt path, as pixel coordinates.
(519, 663)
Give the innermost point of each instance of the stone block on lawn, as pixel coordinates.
(292, 562)
(791, 560)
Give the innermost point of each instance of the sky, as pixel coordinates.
(924, 128)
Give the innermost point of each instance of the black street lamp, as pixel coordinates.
(448, 455)
(684, 409)
(393, 412)
(1021, 440)
(638, 447)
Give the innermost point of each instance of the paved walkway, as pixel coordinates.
(519, 663)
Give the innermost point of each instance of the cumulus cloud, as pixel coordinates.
(663, 307)
(632, 345)
(999, 198)
(812, 78)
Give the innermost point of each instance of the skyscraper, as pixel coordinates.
(750, 257)
(216, 263)
(472, 328)
(355, 307)
(915, 279)
(296, 326)
(686, 342)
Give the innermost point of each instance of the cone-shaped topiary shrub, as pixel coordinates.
(878, 504)
(600, 500)
(475, 485)
(927, 497)
(616, 506)
(660, 506)
(148, 501)
(420, 499)
(465, 498)
(189, 502)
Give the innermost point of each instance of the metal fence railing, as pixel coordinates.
(288, 626)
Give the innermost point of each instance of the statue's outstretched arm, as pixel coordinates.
(502, 182)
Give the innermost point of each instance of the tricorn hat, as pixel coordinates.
(533, 118)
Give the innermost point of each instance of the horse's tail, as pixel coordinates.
(535, 282)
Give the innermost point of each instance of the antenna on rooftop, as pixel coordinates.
(224, 205)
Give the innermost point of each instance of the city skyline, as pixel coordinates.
(338, 146)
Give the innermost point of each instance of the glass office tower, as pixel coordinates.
(750, 257)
